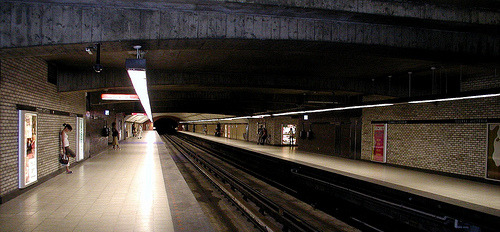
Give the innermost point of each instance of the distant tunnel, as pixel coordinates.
(166, 126)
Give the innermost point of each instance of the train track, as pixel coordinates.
(253, 200)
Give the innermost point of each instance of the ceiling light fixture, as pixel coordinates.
(97, 66)
(119, 97)
(136, 69)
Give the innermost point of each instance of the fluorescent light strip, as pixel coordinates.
(261, 116)
(351, 107)
(455, 98)
(332, 109)
(292, 113)
(289, 113)
(138, 78)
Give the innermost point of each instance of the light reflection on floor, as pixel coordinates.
(118, 190)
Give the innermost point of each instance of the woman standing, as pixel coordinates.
(66, 151)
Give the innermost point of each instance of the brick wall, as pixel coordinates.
(478, 83)
(332, 133)
(273, 126)
(24, 81)
(456, 148)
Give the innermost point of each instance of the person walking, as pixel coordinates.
(66, 151)
(114, 133)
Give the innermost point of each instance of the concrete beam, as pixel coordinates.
(25, 24)
(87, 80)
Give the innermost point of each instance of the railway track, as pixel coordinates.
(268, 208)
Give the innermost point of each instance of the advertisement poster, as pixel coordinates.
(28, 148)
(288, 135)
(493, 152)
(379, 143)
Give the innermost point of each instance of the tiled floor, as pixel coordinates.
(478, 196)
(120, 190)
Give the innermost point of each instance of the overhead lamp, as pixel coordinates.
(136, 69)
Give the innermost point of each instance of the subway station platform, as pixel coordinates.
(478, 196)
(137, 188)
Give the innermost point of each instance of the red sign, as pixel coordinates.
(379, 143)
(121, 97)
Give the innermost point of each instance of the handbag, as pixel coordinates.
(63, 158)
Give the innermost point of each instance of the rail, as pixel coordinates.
(288, 220)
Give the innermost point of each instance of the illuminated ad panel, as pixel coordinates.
(28, 148)
(379, 143)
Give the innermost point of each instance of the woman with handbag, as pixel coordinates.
(66, 151)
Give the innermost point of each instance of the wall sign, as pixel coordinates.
(379, 143)
(493, 152)
(28, 148)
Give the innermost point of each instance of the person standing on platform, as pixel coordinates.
(139, 131)
(262, 135)
(114, 133)
(66, 151)
(133, 129)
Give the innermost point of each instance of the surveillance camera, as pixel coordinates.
(98, 68)
(89, 50)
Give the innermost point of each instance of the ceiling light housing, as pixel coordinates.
(136, 69)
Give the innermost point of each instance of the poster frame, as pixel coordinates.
(292, 139)
(22, 149)
(80, 138)
(486, 156)
(384, 158)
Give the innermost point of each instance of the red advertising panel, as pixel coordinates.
(379, 143)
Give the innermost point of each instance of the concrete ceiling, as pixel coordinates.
(225, 74)
(315, 62)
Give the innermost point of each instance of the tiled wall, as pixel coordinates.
(457, 148)
(478, 83)
(24, 81)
